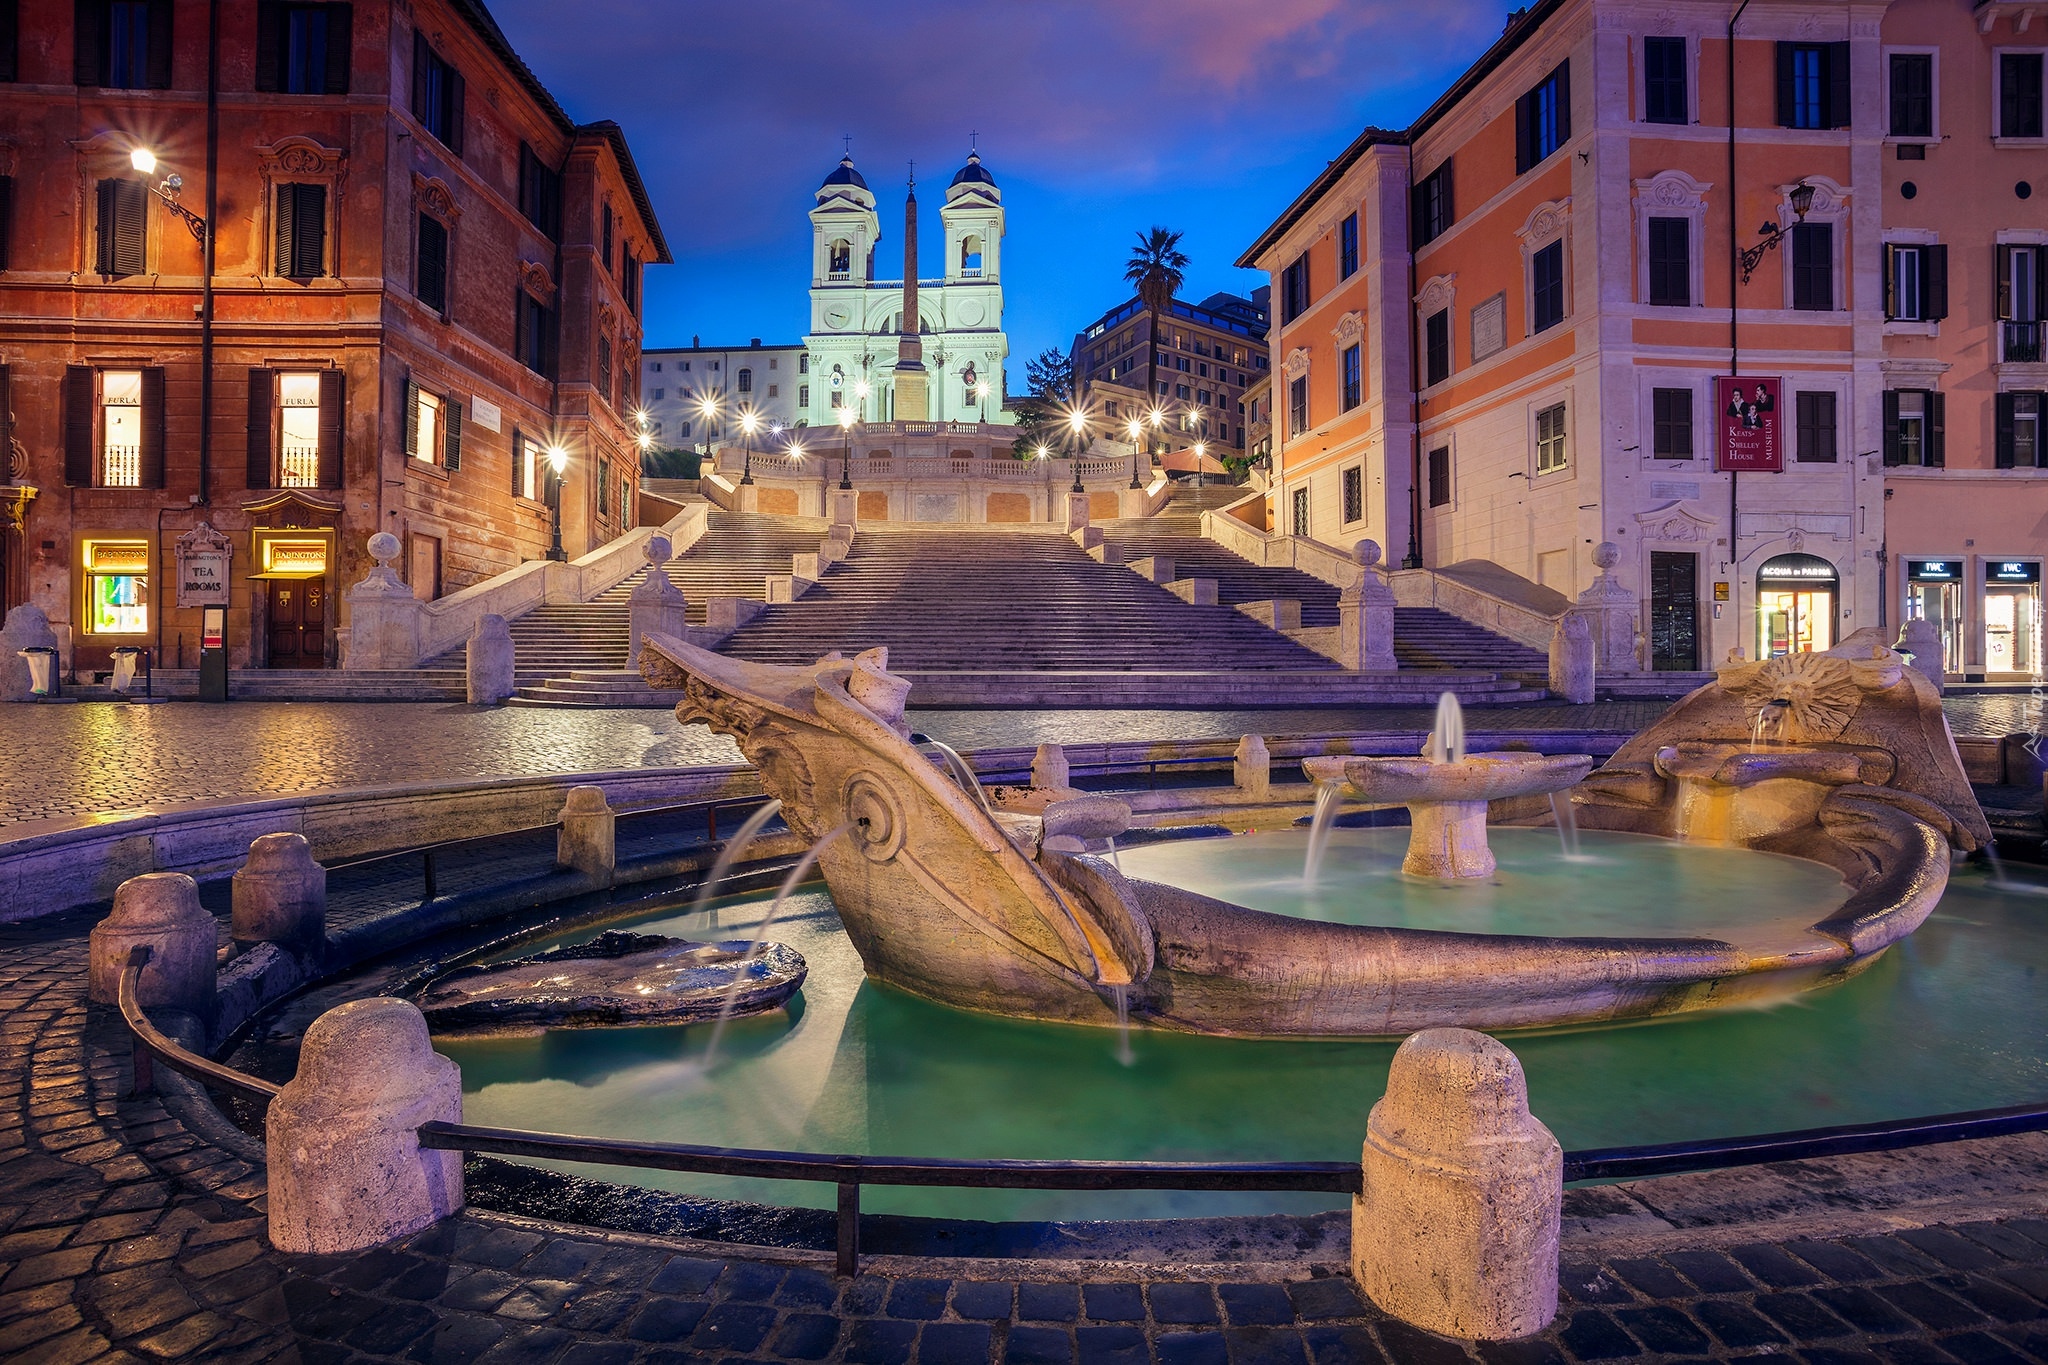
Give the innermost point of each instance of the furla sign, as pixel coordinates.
(203, 558)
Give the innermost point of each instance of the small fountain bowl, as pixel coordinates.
(1475, 777)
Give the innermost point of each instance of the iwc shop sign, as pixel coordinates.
(203, 558)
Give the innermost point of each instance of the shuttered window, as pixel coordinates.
(6, 217)
(1671, 424)
(1440, 476)
(122, 44)
(1912, 94)
(2019, 94)
(1813, 266)
(1543, 118)
(540, 193)
(1813, 85)
(295, 428)
(430, 270)
(534, 334)
(1814, 416)
(2021, 416)
(123, 232)
(436, 94)
(1436, 337)
(433, 427)
(1914, 427)
(300, 248)
(303, 49)
(10, 40)
(1433, 209)
(113, 427)
(1546, 287)
(1665, 98)
(1671, 262)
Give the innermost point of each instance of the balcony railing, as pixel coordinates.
(2023, 343)
(121, 467)
(825, 462)
(298, 467)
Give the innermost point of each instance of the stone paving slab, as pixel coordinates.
(94, 758)
(125, 1237)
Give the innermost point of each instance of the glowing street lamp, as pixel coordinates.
(1157, 417)
(1077, 420)
(168, 190)
(707, 408)
(981, 396)
(558, 462)
(846, 419)
(750, 422)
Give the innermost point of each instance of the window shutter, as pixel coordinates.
(6, 219)
(1891, 280)
(106, 232)
(309, 232)
(78, 396)
(262, 394)
(1838, 85)
(284, 240)
(152, 453)
(340, 47)
(455, 111)
(1893, 454)
(420, 58)
(1525, 133)
(333, 411)
(131, 219)
(518, 461)
(2003, 405)
(159, 56)
(269, 55)
(2004, 269)
(412, 419)
(432, 266)
(88, 39)
(451, 445)
(1564, 102)
(1937, 443)
(10, 40)
(1788, 89)
(1935, 286)
(2040, 283)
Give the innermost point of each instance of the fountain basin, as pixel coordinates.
(1447, 801)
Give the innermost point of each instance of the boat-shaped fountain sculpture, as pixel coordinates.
(958, 899)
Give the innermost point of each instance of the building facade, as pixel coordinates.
(378, 312)
(1207, 355)
(857, 319)
(677, 382)
(1576, 302)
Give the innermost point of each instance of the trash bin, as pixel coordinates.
(42, 670)
(127, 662)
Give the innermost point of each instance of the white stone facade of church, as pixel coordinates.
(856, 318)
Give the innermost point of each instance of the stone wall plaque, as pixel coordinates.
(935, 507)
(1489, 327)
(204, 556)
(485, 414)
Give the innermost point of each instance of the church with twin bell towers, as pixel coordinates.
(909, 349)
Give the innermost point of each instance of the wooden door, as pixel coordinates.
(1674, 612)
(298, 622)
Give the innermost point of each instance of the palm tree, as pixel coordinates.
(1156, 267)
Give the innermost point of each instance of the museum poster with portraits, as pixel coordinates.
(1748, 409)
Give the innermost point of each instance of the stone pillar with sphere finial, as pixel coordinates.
(656, 604)
(385, 621)
(1921, 642)
(1365, 614)
(1610, 609)
(490, 662)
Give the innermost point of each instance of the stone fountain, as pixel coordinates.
(1446, 791)
(997, 906)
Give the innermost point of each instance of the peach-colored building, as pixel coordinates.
(1503, 334)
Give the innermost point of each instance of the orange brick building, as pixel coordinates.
(1499, 333)
(422, 274)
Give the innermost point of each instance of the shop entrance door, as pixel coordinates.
(1934, 592)
(1795, 606)
(298, 622)
(2012, 617)
(1674, 611)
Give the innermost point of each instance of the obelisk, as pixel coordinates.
(912, 397)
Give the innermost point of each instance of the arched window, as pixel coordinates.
(839, 263)
(746, 381)
(970, 255)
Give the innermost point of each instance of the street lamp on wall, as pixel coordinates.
(168, 189)
(1801, 199)
(558, 463)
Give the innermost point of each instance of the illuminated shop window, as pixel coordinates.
(117, 587)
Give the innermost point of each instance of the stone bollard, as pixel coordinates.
(490, 661)
(1573, 670)
(588, 840)
(845, 506)
(1251, 767)
(160, 911)
(1077, 511)
(1456, 1231)
(1921, 641)
(1049, 767)
(1365, 615)
(346, 1169)
(280, 895)
(656, 606)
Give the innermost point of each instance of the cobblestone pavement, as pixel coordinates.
(124, 1236)
(93, 758)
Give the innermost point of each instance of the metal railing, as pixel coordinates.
(2023, 343)
(121, 467)
(298, 467)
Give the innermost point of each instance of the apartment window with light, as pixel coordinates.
(1914, 427)
(1347, 247)
(2019, 419)
(1813, 266)
(1665, 97)
(2019, 94)
(2022, 303)
(1440, 477)
(1550, 439)
(1814, 428)
(120, 429)
(1546, 287)
(1813, 85)
(303, 49)
(433, 427)
(1671, 262)
(1433, 211)
(295, 425)
(1294, 289)
(1543, 119)
(1436, 346)
(527, 463)
(1911, 86)
(1353, 486)
(1297, 406)
(1671, 424)
(1354, 378)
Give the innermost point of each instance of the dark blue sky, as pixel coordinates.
(1097, 118)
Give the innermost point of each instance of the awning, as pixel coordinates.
(291, 573)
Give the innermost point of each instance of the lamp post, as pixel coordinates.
(168, 189)
(981, 397)
(1801, 197)
(1077, 421)
(558, 461)
(846, 457)
(750, 422)
(707, 408)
